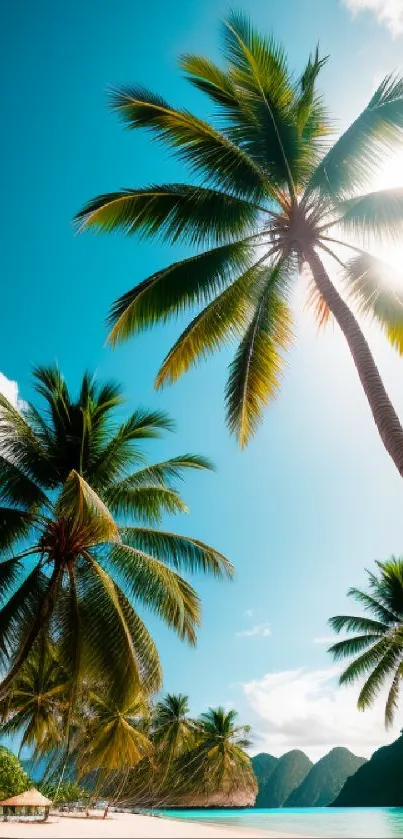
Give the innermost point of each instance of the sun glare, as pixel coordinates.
(391, 176)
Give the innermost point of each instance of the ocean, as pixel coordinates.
(335, 823)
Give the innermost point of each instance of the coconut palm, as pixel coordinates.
(376, 641)
(35, 703)
(173, 730)
(112, 737)
(218, 762)
(269, 196)
(73, 565)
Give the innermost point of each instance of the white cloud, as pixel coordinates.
(248, 613)
(262, 629)
(308, 710)
(9, 389)
(387, 12)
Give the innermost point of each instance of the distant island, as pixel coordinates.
(294, 781)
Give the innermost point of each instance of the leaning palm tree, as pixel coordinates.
(270, 196)
(377, 642)
(77, 549)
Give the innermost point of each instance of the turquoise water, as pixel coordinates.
(371, 823)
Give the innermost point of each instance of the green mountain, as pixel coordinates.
(325, 780)
(288, 773)
(263, 766)
(378, 783)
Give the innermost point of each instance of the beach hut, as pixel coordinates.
(25, 801)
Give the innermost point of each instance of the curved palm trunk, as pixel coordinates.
(383, 412)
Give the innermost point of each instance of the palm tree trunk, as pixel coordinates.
(383, 412)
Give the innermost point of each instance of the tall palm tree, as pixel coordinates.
(269, 197)
(377, 642)
(73, 565)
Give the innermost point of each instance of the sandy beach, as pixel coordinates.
(125, 826)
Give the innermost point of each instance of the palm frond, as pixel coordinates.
(371, 285)
(371, 604)
(254, 372)
(352, 623)
(206, 150)
(116, 646)
(121, 453)
(352, 646)
(258, 66)
(377, 677)
(171, 290)
(15, 525)
(393, 696)
(365, 662)
(174, 212)
(182, 552)
(20, 446)
(224, 318)
(10, 570)
(159, 588)
(352, 161)
(145, 503)
(166, 471)
(16, 616)
(18, 488)
(377, 214)
(208, 77)
(81, 505)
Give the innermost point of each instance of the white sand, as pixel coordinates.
(125, 826)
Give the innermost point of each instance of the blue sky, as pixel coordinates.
(314, 499)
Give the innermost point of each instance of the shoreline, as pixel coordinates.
(129, 826)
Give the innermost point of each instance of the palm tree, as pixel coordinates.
(73, 566)
(35, 703)
(269, 197)
(218, 762)
(377, 642)
(111, 737)
(173, 730)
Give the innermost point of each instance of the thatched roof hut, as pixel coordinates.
(30, 798)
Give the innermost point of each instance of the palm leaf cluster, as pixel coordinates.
(269, 193)
(376, 642)
(79, 550)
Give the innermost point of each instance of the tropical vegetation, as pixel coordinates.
(80, 551)
(375, 642)
(270, 197)
(13, 779)
(144, 753)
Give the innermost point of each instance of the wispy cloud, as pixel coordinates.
(248, 613)
(387, 12)
(262, 629)
(307, 709)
